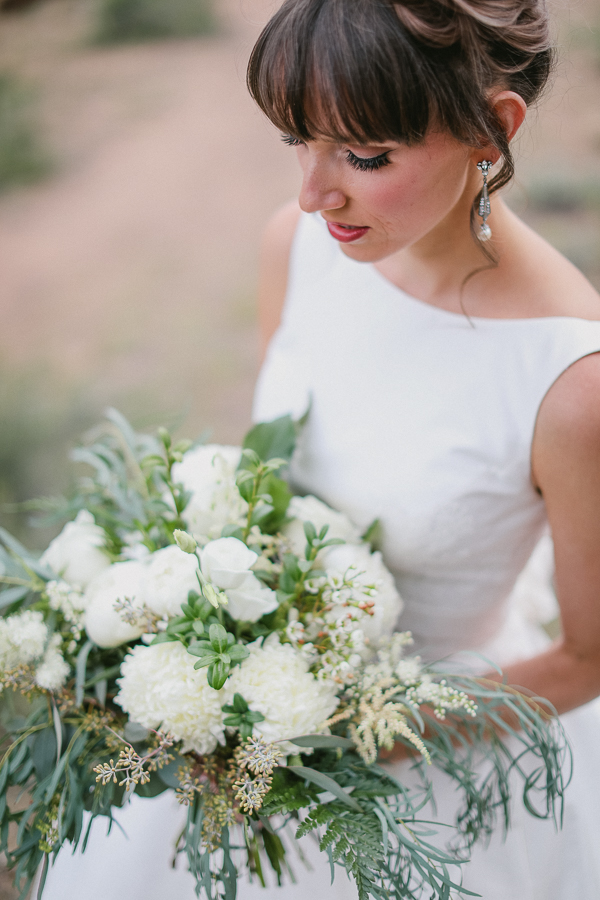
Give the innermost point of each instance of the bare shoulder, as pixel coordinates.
(554, 286)
(274, 262)
(567, 436)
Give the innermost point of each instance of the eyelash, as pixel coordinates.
(363, 164)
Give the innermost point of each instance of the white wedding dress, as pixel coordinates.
(423, 419)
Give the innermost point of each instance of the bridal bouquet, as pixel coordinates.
(195, 628)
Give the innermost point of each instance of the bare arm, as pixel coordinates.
(566, 468)
(273, 272)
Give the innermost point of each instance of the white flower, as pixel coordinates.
(76, 554)
(67, 600)
(209, 473)
(227, 563)
(53, 671)
(409, 670)
(22, 639)
(367, 569)
(274, 680)
(309, 509)
(160, 688)
(102, 622)
(169, 576)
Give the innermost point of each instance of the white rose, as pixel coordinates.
(274, 680)
(160, 688)
(170, 575)
(226, 562)
(208, 472)
(309, 509)
(76, 554)
(103, 623)
(367, 569)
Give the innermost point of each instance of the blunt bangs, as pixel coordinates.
(343, 70)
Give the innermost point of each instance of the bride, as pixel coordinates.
(451, 361)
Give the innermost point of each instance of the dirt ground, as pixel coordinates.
(128, 276)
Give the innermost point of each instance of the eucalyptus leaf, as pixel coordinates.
(322, 741)
(326, 783)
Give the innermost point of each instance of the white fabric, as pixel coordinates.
(424, 419)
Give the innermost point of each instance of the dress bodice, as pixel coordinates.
(423, 419)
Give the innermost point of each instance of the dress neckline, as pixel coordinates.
(429, 309)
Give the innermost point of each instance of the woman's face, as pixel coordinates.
(378, 199)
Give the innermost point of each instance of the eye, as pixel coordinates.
(367, 163)
(290, 140)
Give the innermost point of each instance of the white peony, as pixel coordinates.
(227, 563)
(309, 509)
(274, 680)
(159, 688)
(53, 671)
(76, 554)
(22, 639)
(169, 576)
(103, 623)
(209, 473)
(367, 568)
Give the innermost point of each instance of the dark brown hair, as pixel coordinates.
(377, 70)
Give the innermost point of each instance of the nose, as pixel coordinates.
(320, 189)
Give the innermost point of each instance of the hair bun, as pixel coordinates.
(519, 24)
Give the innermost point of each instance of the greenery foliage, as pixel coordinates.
(141, 20)
(21, 158)
(60, 746)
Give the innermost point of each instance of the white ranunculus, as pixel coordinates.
(309, 509)
(367, 568)
(76, 554)
(170, 575)
(53, 671)
(274, 680)
(208, 472)
(251, 600)
(103, 623)
(22, 639)
(160, 688)
(227, 563)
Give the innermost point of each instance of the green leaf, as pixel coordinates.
(11, 595)
(232, 531)
(322, 741)
(80, 667)
(272, 439)
(218, 638)
(217, 674)
(198, 627)
(310, 531)
(238, 652)
(325, 782)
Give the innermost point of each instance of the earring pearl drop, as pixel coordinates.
(485, 232)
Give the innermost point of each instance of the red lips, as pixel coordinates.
(346, 233)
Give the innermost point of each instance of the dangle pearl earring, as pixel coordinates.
(485, 232)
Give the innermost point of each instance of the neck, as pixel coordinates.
(435, 268)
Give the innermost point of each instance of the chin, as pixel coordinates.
(364, 253)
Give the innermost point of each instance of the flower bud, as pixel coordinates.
(185, 541)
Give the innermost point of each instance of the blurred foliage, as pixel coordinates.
(22, 159)
(37, 431)
(140, 20)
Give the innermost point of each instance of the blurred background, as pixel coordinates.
(135, 179)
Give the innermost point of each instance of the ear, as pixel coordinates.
(511, 109)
